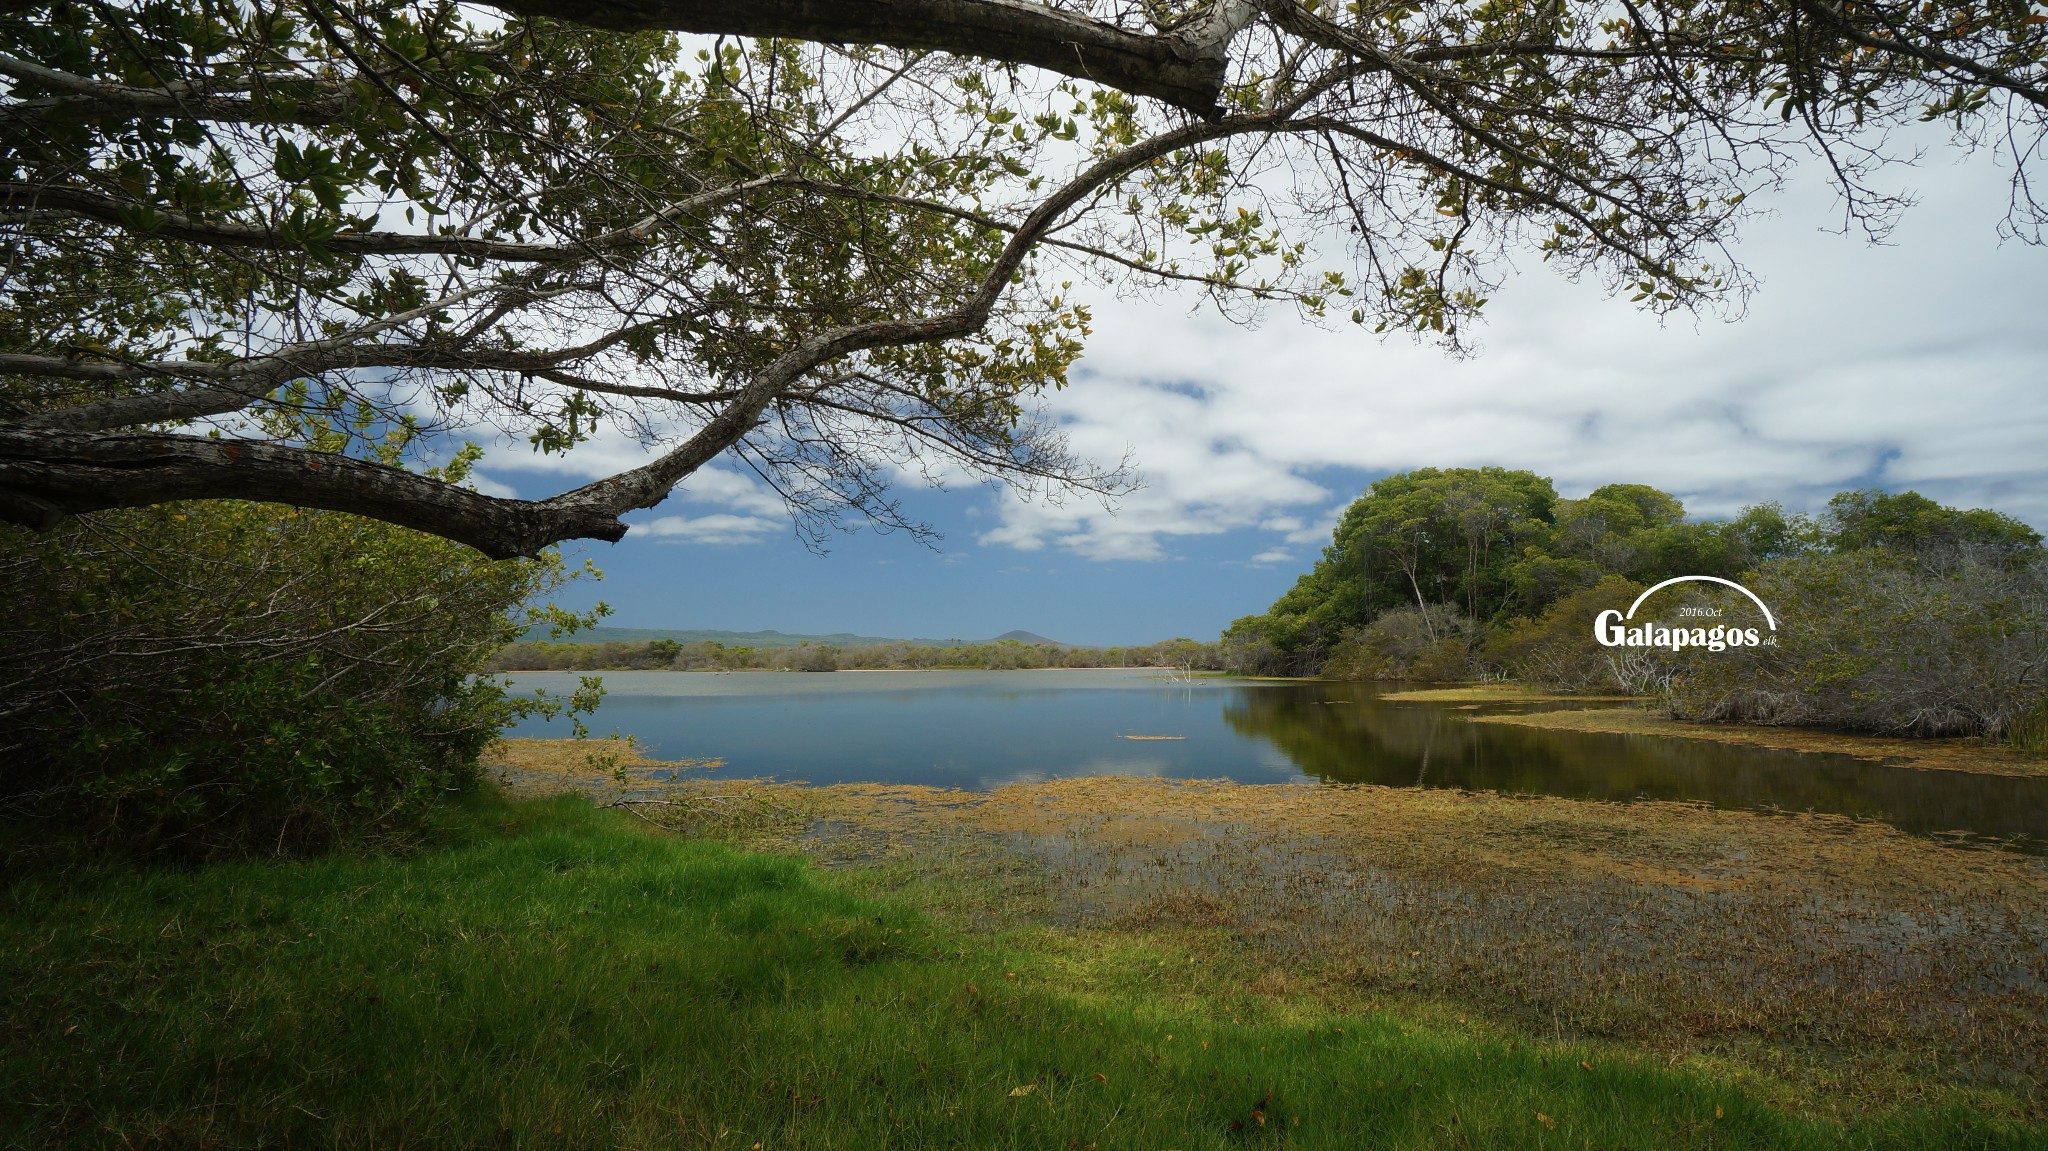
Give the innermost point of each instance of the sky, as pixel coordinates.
(1920, 364)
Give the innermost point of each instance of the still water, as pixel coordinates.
(975, 730)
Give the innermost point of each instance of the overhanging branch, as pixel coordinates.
(1185, 71)
(46, 475)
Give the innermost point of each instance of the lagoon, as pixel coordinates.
(978, 730)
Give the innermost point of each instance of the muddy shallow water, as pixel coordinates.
(978, 730)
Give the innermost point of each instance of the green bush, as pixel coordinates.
(1556, 650)
(213, 678)
(1406, 644)
(809, 658)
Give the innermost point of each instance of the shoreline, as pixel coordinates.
(1959, 753)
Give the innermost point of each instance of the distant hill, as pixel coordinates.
(762, 638)
(1027, 637)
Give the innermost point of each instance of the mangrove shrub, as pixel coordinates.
(1888, 640)
(221, 677)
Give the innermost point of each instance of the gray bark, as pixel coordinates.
(45, 475)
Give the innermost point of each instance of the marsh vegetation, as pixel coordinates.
(1084, 962)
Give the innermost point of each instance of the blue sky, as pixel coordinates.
(1919, 364)
(888, 585)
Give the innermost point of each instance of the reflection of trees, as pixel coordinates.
(1351, 740)
(1343, 734)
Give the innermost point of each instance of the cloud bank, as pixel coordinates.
(1921, 364)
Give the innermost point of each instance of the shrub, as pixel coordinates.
(1406, 644)
(225, 677)
(1556, 650)
(1890, 641)
(807, 657)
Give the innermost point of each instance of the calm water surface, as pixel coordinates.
(972, 729)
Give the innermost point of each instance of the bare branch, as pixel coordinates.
(145, 219)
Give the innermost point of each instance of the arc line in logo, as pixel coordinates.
(1768, 618)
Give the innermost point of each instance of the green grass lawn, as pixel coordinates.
(557, 976)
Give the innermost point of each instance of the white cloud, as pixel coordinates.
(1321, 530)
(1919, 364)
(712, 529)
(490, 487)
(1271, 556)
(742, 493)
(1196, 479)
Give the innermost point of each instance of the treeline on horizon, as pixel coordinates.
(711, 655)
(1896, 614)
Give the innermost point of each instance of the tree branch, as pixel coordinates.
(1183, 70)
(146, 219)
(173, 102)
(45, 475)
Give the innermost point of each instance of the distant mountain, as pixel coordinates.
(1027, 637)
(761, 638)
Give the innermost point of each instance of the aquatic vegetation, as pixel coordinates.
(1836, 953)
(1490, 693)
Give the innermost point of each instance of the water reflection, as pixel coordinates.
(967, 729)
(1345, 733)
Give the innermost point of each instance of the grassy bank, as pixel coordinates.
(1952, 754)
(559, 976)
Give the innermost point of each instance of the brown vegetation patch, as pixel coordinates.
(1178, 909)
(1962, 754)
(677, 795)
(1494, 693)
(569, 761)
(1841, 953)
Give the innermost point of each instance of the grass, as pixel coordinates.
(1847, 962)
(558, 976)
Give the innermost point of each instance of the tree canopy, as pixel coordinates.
(1490, 549)
(1492, 544)
(1909, 521)
(835, 241)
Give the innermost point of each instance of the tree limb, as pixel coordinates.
(146, 219)
(83, 95)
(1183, 70)
(46, 474)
